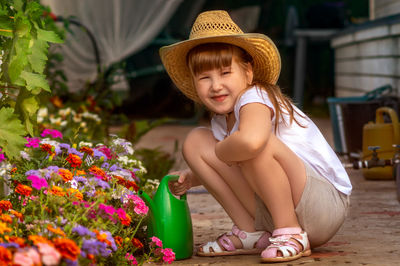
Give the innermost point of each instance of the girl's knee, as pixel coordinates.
(197, 139)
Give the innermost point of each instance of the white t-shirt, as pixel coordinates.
(308, 142)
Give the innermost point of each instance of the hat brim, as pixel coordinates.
(266, 59)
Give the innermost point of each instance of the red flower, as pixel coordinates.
(74, 160)
(23, 190)
(5, 205)
(67, 248)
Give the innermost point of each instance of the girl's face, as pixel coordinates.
(219, 88)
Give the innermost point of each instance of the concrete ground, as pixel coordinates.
(369, 236)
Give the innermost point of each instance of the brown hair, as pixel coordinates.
(209, 56)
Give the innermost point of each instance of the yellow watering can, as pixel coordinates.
(383, 135)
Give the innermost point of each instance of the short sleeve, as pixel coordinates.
(254, 95)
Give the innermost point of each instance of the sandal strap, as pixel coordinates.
(226, 243)
(214, 245)
(284, 241)
(258, 239)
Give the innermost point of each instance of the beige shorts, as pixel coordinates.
(320, 212)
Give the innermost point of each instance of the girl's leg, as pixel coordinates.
(278, 176)
(225, 183)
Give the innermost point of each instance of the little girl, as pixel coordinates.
(263, 160)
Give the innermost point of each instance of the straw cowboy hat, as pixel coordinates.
(218, 27)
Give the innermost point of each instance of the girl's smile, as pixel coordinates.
(219, 88)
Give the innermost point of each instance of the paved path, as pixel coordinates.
(369, 236)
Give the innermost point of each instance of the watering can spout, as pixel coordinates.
(148, 200)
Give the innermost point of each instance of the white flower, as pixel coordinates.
(87, 144)
(74, 184)
(77, 118)
(65, 111)
(25, 155)
(43, 112)
(83, 124)
(55, 121)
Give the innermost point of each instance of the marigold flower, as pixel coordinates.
(80, 172)
(18, 240)
(23, 190)
(47, 148)
(102, 237)
(13, 170)
(136, 242)
(19, 215)
(5, 205)
(39, 239)
(6, 218)
(74, 160)
(71, 192)
(65, 174)
(97, 171)
(4, 228)
(124, 217)
(5, 256)
(87, 150)
(56, 190)
(67, 248)
(126, 183)
(56, 231)
(118, 240)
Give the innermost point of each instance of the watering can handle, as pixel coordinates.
(393, 116)
(166, 180)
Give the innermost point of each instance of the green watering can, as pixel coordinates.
(169, 219)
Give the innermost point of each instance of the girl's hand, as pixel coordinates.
(183, 184)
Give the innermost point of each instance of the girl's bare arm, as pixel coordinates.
(251, 137)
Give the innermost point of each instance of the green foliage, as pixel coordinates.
(11, 132)
(25, 31)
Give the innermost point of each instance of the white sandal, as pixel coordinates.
(252, 243)
(284, 241)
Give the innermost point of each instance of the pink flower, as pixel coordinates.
(50, 256)
(140, 205)
(156, 241)
(32, 142)
(169, 255)
(52, 132)
(37, 182)
(131, 259)
(107, 209)
(121, 213)
(2, 157)
(107, 152)
(27, 257)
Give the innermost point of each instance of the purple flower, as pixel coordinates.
(65, 146)
(80, 179)
(83, 231)
(100, 183)
(32, 142)
(114, 167)
(74, 151)
(33, 172)
(50, 170)
(105, 165)
(98, 154)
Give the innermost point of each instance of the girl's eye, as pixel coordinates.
(226, 72)
(202, 77)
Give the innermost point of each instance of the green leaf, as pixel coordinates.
(34, 80)
(30, 106)
(22, 26)
(38, 57)
(49, 36)
(11, 133)
(6, 26)
(19, 59)
(18, 5)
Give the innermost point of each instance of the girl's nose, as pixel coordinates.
(216, 84)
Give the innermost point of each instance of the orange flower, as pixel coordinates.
(136, 242)
(55, 190)
(4, 228)
(118, 241)
(56, 101)
(80, 172)
(126, 183)
(74, 160)
(23, 190)
(65, 174)
(71, 192)
(87, 150)
(97, 171)
(5, 205)
(5, 256)
(47, 148)
(125, 220)
(39, 239)
(103, 238)
(19, 240)
(6, 218)
(13, 170)
(19, 215)
(56, 231)
(67, 248)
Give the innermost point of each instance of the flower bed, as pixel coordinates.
(75, 204)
